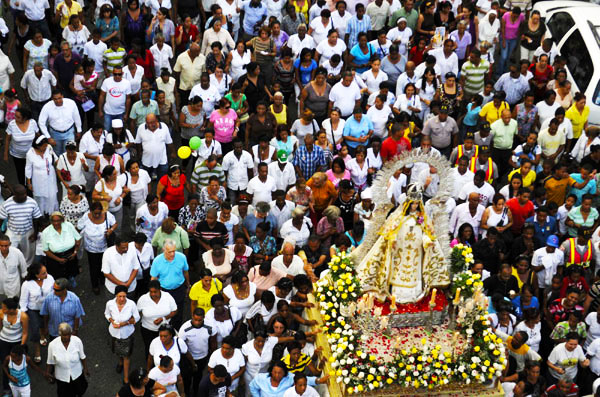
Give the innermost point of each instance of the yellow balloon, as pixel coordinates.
(184, 152)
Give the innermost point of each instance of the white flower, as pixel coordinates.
(345, 372)
(363, 356)
(349, 361)
(498, 373)
(346, 380)
(411, 359)
(474, 373)
(350, 345)
(416, 373)
(372, 370)
(484, 369)
(339, 379)
(381, 369)
(470, 331)
(335, 364)
(371, 387)
(492, 346)
(361, 375)
(342, 362)
(468, 381)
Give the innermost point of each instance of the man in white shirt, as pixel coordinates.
(288, 262)
(446, 58)
(261, 187)
(200, 340)
(281, 208)
(300, 40)
(430, 180)
(35, 11)
(545, 262)
(37, 84)
(94, 50)
(13, 268)
(60, 118)
(428, 62)
(408, 76)
(120, 267)
(462, 176)
(469, 212)
(153, 139)
(282, 172)
(345, 95)
(239, 169)
(480, 186)
(115, 98)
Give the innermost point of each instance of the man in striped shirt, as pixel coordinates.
(473, 72)
(22, 213)
(358, 23)
(114, 56)
(203, 171)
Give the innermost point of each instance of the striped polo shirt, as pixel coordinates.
(202, 173)
(20, 215)
(114, 58)
(475, 76)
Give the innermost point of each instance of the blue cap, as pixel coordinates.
(552, 241)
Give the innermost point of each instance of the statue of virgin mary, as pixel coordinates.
(407, 260)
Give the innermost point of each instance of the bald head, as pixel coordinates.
(506, 116)
(194, 49)
(410, 66)
(152, 122)
(473, 199)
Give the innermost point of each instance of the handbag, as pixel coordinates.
(80, 385)
(110, 239)
(65, 174)
(104, 203)
(241, 335)
(127, 198)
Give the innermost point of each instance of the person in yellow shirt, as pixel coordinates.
(492, 111)
(203, 290)
(65, 9)
(526, 172)
(578, 113)
(279, 108)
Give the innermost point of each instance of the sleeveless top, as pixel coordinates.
(11, 332)
(428, 24)
(134, 28)
(494, 219)
(19, 372)
(317, 104)
(114, 161)
(238, 62)
(186, 132)
(285, 77)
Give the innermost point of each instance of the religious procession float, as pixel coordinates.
(402, 315)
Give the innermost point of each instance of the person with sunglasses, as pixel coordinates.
(115, 98)
(61, 307)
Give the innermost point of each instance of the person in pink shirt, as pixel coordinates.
(510, 28)
(264, 276)
(226, 124)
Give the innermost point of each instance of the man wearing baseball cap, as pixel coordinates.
(282, 171)
(545, 262)
(443, 131)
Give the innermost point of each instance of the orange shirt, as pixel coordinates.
(322, 195)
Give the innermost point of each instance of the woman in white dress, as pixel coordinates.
(20, 134)
(238, 59)
(41, 175)
(121, 139)
(76, 33)
(374, 76)
(231, 10)
(327, 48)
(240, 293)
(133, 73)
(334, 126)
(221, 80)
(408, 102)
(426, 88)
(138, 181)
(222, 318)
(489, 26)
(150, 216)
(90, 146)
(358, 168)
(71, 166)
(110, 191)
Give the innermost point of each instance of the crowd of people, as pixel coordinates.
(297, 106)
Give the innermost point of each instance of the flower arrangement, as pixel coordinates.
(468, 282)
(460, 258)
(475, 355)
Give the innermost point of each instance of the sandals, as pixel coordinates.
(37, 359)
(43, 341)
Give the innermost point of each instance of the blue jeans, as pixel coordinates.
(505, 53)
(161, 170)
(62, 138)
(108, 118)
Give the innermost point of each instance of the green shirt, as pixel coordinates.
(114, 58)
(59, 242)
(411, 18)
(475, 76)
(562, 329)
(139, 111)
(179, 236)
(202, 173)
(504, 134)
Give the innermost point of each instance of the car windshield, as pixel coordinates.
(579, 62)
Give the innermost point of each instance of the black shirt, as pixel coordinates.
(488, 255)
(533, 389)
(347, 210)
(208, 389)
(495, 285)
(313, 257)
(125, 391)
(589, 160)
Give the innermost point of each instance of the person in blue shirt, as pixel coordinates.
(524, 301)
(590, 188)
(357, 24)
(544, 224)
(62, 306)
(171, 270)
(361, 54)
(305, 66)
(358, 130)
(275, 382)
(472, 117)
(255, 13)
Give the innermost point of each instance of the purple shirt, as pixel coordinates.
(511, 30)
(66, 70)
(462, 45)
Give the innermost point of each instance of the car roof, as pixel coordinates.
(551, 6)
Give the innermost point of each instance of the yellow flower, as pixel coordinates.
(389, 381)
(332, 373)
(424, 341)
(419, 367)
(469, 282)
(370, 377)
(486, 363)
(496, 352)
(350, 390)
(344, 296)
(464, 375)
(473, 365)
(340, 288)
(338, 372)
(351, 288)
(408, 378)
(401, 365)
(416, 384)
(438, 347)
(327, 317)
(378, 377)
(486, 338)
(331, 359)
(343, 266)
(376, 384)
(359, 387)
(354, 370)
(414, 350)
(322, 298)
(447, 354)
(477, 348)
(349, 281)
(359, 353)
(372, 358)
(404, 352)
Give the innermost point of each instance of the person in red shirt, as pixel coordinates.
(521, 208)
(417, 53)
(395, 144)
(574, 279)
(171, 188)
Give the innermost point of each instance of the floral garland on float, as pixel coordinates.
(372, 352)
(369, 355)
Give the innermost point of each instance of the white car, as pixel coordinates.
(574, 26)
